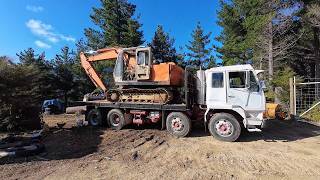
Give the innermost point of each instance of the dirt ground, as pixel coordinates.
(284, 150)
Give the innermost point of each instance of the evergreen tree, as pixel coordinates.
(117, 27)
(65, 77)
(259, 32)
(312, 18)
(84, 84)
(232, 36)
(162, 46)
(256, 32)
(19, 95)
(200, 54)
(181, 58)
(45, 77)
(6, 59)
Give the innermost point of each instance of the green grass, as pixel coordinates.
(313, 115)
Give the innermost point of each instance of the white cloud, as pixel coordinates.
(34, 8)
(67, 38)
(47, 31)
(53, 39)
(41, 44)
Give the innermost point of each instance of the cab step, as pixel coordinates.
(254, 130)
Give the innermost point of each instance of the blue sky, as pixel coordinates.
(47, 25)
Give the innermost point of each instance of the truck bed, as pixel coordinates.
(136, 105)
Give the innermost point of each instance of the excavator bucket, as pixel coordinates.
(274, 111)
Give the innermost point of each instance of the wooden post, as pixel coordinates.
(291, 97)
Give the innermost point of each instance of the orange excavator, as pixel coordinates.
(139, 77)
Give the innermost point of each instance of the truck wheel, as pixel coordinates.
(115, 119)
(94, 117)
(224, 127)
(178, 124)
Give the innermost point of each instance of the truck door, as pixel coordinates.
(243, 90)
(216, 91)
(143, 67)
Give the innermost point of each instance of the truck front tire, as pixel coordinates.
(94, 117)
(178, 124)
(224, 127)
(115, 119)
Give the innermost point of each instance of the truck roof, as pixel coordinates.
(232, 68)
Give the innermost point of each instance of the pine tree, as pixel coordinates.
(200, 54)
(255, 31)
(260, 32)
(6, 59)
(65, 77)
(162, 46)
(117, 27)
(232, 35)
(19, 94)
(84, 84)
(45, 75)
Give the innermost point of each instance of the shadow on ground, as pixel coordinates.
(284, 131)
(275, 130)
(64, 144)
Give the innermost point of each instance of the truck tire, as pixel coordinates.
(115, 119)
(178, 124)
(94, 117)
(224, 127)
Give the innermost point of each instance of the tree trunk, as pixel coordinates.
(65, 99)
(270, 51)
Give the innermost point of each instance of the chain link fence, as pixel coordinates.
(307, 95)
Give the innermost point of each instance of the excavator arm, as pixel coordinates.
(101, 54)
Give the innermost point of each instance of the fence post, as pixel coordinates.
(291, 96)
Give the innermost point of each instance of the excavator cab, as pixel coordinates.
(133, 64)
(143, 66)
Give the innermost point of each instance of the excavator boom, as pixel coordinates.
(102, 54)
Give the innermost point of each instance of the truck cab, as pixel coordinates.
(233, 93)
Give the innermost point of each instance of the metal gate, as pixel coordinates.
(305, 96)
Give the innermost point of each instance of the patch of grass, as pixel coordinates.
(313, 115)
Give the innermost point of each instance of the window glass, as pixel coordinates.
(143, 58)
(147, 57)
(217, 80)
(237, 79)
(254, 86)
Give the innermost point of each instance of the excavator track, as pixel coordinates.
(159, 95)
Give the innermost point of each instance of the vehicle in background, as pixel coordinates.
(53, 106)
